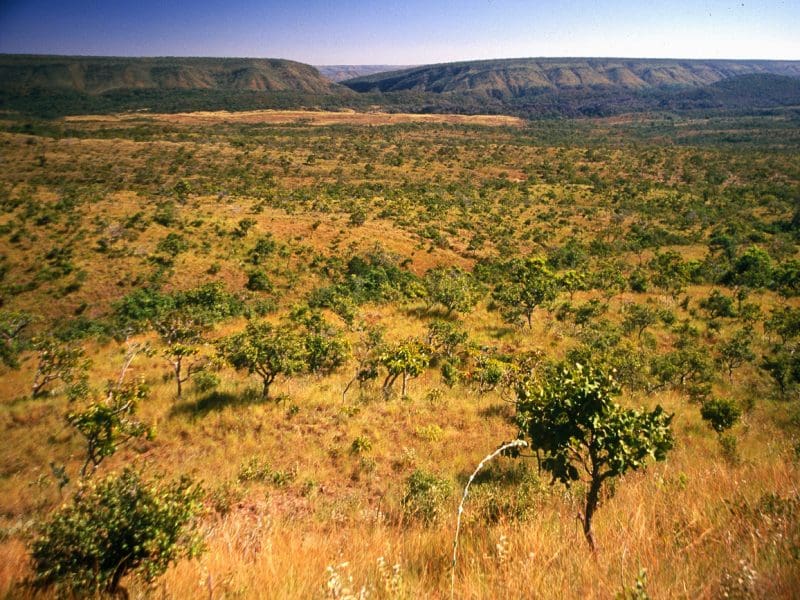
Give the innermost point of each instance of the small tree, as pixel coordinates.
(408, 358)
(572, 281)
(785, 321)
(326, 347)
(581, 434)
(526, 284)
(58, 361)
(670, 273)
(752, 269)
(453, 288)
(367, 354)
(109, 423)
(116, 526)
(639, 317)
(448, 344)
(736, 351)
(688, 366)
(718, 305)
(783, 365)
(12, 326)
(181, 332)
(266, 351)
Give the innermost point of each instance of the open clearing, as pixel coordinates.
(306, 118)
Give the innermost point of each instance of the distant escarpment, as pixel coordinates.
(517, 78)
(53, 86)
(101, 75)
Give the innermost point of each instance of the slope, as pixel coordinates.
(98, 75)
(515, 78)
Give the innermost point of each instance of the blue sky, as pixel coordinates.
(411, 32)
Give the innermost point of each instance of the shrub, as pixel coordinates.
(730, 448)
(255, 469)
(638, 281)
(258, 281)
(430, 433)
(425, 496)
(720, 414)
(173, 244)
(116, 526)
(361, 445)
(205, 381)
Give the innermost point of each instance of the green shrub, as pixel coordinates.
(255, 469)
(425, 496)
(430, 433)
(361, 445)
(173, 244)
(119, 525)
(258, 281)
(720, 414)
(205, 381)
(730, 448)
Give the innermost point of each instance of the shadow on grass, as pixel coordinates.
(425, 312)
(501, 332)
(502, 472)
(214, 402)
(503, 410)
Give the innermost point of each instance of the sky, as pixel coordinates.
(403, 32)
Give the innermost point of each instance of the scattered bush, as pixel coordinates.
(122, 524)
(720, 414)
(425, 496)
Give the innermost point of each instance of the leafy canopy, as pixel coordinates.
(266, 351)
(573, 419)
(118, 525)
(524, 285)
(580, 433)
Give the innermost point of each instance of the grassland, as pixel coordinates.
(88, 203)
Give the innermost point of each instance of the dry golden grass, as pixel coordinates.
(309, 117)
(676, 520)
(693, 522)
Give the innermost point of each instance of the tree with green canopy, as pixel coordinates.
(266, 351)
(580, 434)
(120, 525)
(525, 284)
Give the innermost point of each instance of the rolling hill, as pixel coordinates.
(99, 75)
(515, 78)
(53, 86)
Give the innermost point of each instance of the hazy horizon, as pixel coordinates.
(361, 33)
(404, 65)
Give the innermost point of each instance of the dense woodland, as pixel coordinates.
(271, 356)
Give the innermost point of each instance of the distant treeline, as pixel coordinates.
(577, 103)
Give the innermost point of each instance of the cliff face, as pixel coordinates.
(97, 75)
(515, 78)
